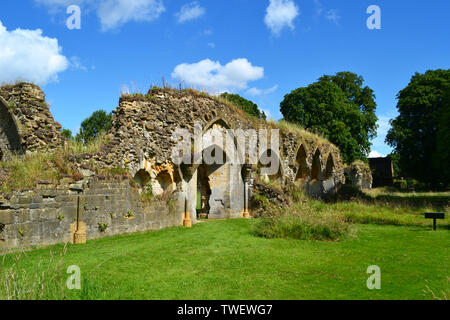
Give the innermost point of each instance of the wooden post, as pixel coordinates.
(79, 236)
(187, 222)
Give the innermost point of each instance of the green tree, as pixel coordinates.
(420, 134)
(67, 134)
(339, 107)
(98, 122)
(248, 106)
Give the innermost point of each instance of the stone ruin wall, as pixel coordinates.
(53, 214)
(26, 124)
(141, 142)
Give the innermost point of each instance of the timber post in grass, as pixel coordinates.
(187, 222)
(80, 233)
(434, 216)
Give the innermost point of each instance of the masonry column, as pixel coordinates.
(246, 175)
(188, 173)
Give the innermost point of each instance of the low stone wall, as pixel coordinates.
(359, 175)
(52, 214)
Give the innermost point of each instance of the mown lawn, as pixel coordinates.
(224, 260)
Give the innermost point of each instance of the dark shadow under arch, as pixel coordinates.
(329, 169)
(10, 141)
(302, 165)
(316, 166)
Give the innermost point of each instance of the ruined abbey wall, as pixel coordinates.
(141, 142)
(53, 214)
(26, 124)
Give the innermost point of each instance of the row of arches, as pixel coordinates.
(220, 190)
(315, 173)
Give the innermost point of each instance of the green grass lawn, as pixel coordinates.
(223, 260)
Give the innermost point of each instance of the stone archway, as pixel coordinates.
(329, 169)
(219, 186)
(142, 179)
(315, 184)
(316, 169)
(10, 142)
(302, 165)
(271, 172)
(163, 183)
(213, 185)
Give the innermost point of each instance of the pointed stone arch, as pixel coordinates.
(218, 121)
(316, 169)
(329, 168)
(266, 170)
(142, 179)
(10, 141)
(301, 164)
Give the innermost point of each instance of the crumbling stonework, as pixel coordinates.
(51, 214)
(141, 143)
(360, 175)
(26, 124)
(141, 138)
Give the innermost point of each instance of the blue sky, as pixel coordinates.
(261, 49)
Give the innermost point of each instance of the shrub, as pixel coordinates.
(302, 226)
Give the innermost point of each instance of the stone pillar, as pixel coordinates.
(188, 173)
(246, 175)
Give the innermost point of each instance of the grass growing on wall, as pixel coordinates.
(23, 172)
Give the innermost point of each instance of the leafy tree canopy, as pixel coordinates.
(67, 134)
(98, 122)
(339, 107)
(248, 106)
(420, 134)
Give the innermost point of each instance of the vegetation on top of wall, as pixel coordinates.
(361, 167)
(289, 127)
(24, 172)
(248, 106)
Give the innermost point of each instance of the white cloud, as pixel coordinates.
(113, 13)
(26, 55)
(280, 14)
(333, 16)
(376, 154)
(190, 11)
(213, 76)
(212, 45)
(76, 63)
(259, 92)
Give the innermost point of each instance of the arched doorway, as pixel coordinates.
(10, 142)
(213, 184)
(142, 179)
(270, 168)
(316, 167)
(315, 184)
(302, 165)
(219, 186)
(329, 169)
(163, 183)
